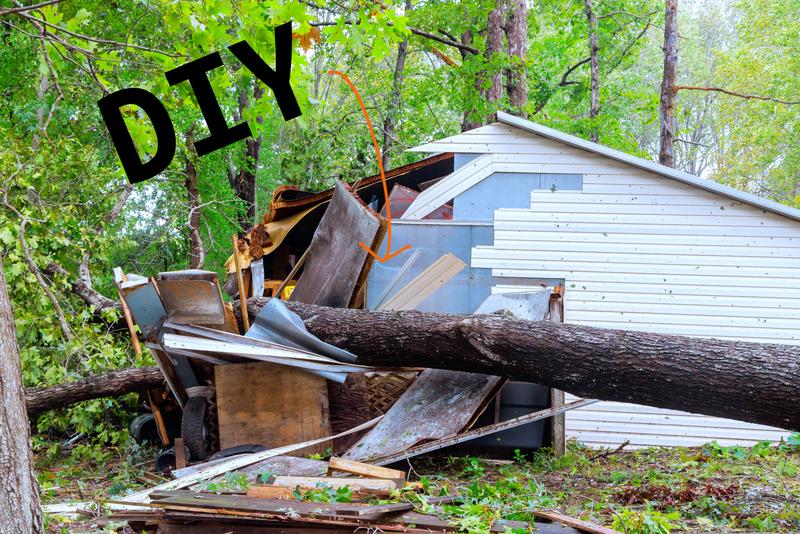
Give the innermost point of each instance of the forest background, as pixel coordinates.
(426, 70)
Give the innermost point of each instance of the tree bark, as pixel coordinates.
(244, 181)
(517, 33)
(494, 46)
(754, 382)
(197, 254)
(394, 99)
(112, 384)
(594, 103)
(669, 85)
(20, 509)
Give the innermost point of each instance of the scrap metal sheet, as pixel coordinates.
(438, 404)
(335, 258)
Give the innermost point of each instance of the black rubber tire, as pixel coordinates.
(193, 427)
(143, 429)
(234, 451)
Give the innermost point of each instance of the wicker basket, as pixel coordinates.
(385, 388)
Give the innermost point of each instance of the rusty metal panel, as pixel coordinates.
(335, 258)
(191, 296)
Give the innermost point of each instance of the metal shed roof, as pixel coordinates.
(650, 166)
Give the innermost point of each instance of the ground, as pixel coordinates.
(656, 490)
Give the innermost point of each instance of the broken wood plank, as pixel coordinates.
(266, 491)
(180, 454)
(583, 526)
(424, 284)
(374, 509)
(240, 284)
(235, 463)
(375, 486)
(480, 432)
(366, 470)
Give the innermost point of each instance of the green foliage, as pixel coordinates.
(646, 521)
(325, 493)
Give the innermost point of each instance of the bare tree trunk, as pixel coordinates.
(669, 85)
(517, 32)
(20, 509)
(752, 382)
(112, 384)
(197, 254)
(494, 46)
(594, 105)
(394, 99)
(244, 181)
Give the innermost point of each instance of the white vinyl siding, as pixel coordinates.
(641, 251)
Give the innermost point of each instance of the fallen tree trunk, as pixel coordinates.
(112, 384)
(753, 382)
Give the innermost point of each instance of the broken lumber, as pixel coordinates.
(754, 382)
(112, 384)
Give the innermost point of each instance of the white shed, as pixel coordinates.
(639, 246)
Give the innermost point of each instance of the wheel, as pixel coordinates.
(193, 427)
(143, 429)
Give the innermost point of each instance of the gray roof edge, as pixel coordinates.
(651, 166)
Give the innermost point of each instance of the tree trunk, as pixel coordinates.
(594, 104)
(394, 99)
(197, 254)
(753, 382)
(517, 32)
(669, 85)
(112, 384)
(20, 509)
(494, 46)
(244, 181)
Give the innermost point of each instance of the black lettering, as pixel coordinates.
(165, 133)
(278, 79)
(195, 72)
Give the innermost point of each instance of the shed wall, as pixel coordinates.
(640, 251)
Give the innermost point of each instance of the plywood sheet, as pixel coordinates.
(438, 404)
(335, 258)
(270, 405)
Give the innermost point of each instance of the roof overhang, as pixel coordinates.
(650, 166)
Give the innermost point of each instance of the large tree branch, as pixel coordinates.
(23, 9)
(565, 77)
(82, 287)
(752, 382)
(415, 31)
(112, 384)
(737, 94)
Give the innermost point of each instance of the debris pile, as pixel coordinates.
(251, 398)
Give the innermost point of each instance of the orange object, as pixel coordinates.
(389, 254)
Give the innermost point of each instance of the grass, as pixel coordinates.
(645, 491)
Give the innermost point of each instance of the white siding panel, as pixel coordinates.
(644, 253)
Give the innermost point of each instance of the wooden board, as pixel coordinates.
(365, 470)
(424, 284)
(271, 405)
(374, 486)
(335, 260)
(438, 404)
